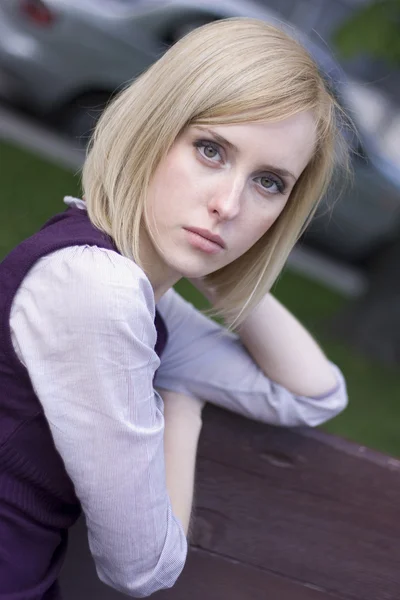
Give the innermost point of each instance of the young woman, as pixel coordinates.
(207, 167)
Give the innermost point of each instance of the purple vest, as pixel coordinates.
(37, 499)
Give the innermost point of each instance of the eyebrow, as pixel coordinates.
(223, 141)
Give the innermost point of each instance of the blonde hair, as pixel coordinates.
(233, 71)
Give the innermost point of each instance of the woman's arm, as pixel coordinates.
(89, 349)
(285, 351)
(283, 348)
(183, 423)
(204, 360)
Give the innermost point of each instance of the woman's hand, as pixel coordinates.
(182, 416)
(176, 403)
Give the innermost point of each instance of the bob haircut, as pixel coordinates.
(232, 71)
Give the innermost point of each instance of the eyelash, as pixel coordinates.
(208, 143)
(278, 182)
(199, 144)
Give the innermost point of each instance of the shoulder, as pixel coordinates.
(89, 285)
(97, 266)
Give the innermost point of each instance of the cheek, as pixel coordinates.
(161, 193)
(172, 184)
(256, 226)
(259, 224)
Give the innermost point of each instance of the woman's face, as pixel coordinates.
(230, 181)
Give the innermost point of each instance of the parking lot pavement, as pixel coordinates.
(41, 140)
(336, 275)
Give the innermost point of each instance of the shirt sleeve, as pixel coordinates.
(204, 360)
(83, 324)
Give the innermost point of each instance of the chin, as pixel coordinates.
(192, 269)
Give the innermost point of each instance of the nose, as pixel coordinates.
(225, 201)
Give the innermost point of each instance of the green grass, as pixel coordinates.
(32, 190)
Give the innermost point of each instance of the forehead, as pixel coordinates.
(288, 143)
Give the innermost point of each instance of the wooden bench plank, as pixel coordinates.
(208, 577)
(300, 503)
(205, 577)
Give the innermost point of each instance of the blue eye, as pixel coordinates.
(209, 150)
(271, 184)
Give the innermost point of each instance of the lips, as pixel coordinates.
(208, 235)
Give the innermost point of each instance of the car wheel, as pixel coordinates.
(80, 117)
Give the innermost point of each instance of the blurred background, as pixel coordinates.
(62, 60)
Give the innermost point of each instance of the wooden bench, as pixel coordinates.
(281, 514)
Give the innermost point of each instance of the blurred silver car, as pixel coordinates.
(65, 58)
(59, 57)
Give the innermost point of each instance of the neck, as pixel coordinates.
(161, 288)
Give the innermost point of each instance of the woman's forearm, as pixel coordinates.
(182, 429)
(285, 351)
